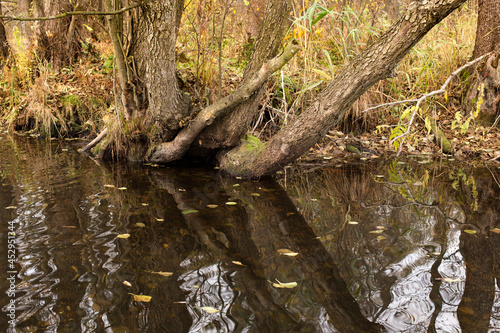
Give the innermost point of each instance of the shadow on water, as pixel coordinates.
(389, 247)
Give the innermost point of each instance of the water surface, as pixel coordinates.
(381, 247)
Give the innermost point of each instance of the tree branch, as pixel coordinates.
(58, 16)
(175, 149)
(95, 141)
(442, 90)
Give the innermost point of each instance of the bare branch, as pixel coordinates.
(58, 16)
(442, 90)
(95, 141)
(432, 93)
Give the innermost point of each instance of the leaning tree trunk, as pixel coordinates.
(487, 85)
(228, 130)
(377, 62)
(4, 45)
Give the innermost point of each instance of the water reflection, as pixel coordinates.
(390, 247)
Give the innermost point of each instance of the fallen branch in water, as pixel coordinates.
(95, 141)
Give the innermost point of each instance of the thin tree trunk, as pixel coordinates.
(488, 72)
(377, 62)
(228, 130)
(4, 45)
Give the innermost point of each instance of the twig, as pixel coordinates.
(58, 16)
(95, 141)
(432, 93)
(442, 90)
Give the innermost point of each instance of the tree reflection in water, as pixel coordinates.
(393, 253)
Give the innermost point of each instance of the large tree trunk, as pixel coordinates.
(228, 130)
(4, 45)
(488, 72)
(377, 62)
(55, 38)
(153, 50)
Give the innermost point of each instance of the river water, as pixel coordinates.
(386, 246)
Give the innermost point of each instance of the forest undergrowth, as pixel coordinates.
(78, 100)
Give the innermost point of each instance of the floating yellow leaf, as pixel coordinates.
(165, 274)
(140, 225)
(11, 207)
(379, 227)
(237, 263)
(212, 206)
(353, 222)
(496, 230)
(159, 220)
(123, 236)
(376, 231)
(236, 185)
(209, 309)
(122, 188)
(165, 245)
(108, 185)
(287, 252)
(288, 285)
(449, 280)
(128, 284)
(255, 194)
(231, 203)
(144, 204)
(469, 231)
(141, 298)
(379, 238)
(189, 211)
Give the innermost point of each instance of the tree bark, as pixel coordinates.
(4, 45)
(153, 50)
(377, 62)
(488, 73)
(228, 130)
(175, 149)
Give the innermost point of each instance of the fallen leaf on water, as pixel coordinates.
(236, 185)
(122, 188)
(209, 309)
(128, 284)
(237, 263)
(496, 230)
(469, 231)
(231, 203)
(165, 274)
(212, 206)
(449, 280)
(255, 194)
(379, 227)
(108, 185)
(159, 220)
(287, 252)
(123, 236)
(182, 189)
(352, 222)
(189, 211)
(376, 231)
(180, 302)
(165, 245)
(144, 204)
(11, 207)
(379, 238)
(140, 225)
(284, 284)
(141, 298)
